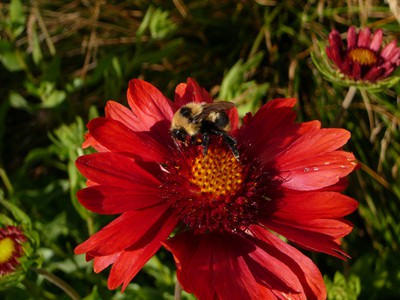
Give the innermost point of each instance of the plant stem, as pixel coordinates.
(345, 105)
(178, 291)
(58, 282)
(6, 180)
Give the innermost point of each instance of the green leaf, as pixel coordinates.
(54, 99)
(17, 17)
(246, 94)
(158, 23)
(342, 288)
(145, 22)
(19, 102)
(17, 213)
(50, 96)
(9, 57)
(94, 295)
(36, 50)
(160, 26)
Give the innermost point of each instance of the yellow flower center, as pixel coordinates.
(7, 248)
(217, 173)
(363, 56)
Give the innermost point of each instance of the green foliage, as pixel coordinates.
(247, 95)
(60, 61)
(157, 22)
(341, 288)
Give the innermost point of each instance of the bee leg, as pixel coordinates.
(193, 140)
(232, 145)
(230, 141)
(205, 141)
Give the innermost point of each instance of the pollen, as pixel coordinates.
(364, 57)
(213, 192)
(7, 248)
(217, 174)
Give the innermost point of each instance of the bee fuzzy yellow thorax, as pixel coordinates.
(184, 118)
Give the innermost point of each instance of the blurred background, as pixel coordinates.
(60, 61)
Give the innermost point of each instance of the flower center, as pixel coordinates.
(7, 248)
(364, 57)
(217, 174)
(212, 192)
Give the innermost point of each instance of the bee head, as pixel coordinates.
(179, 134)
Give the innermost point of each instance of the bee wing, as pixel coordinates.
(212, 107)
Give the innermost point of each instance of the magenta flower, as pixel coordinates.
(364, 58)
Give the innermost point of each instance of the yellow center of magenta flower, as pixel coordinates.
(7, 248)
(363, 56)
(217, 173)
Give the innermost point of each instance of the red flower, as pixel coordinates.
(363, 59)
(222, 211)
(11, 239)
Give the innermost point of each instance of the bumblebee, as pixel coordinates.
(204, 119)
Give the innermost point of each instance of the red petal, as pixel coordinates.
(308, 126)
(190, 92)
(103, 199)
(90, 141)
(102, 262)
(388, 71)
(223, 266)
(148, 104)
(375, 73)
(392, 54)
(355, 72)
(114, 170)
(351, 37)
(335, 52)
(116, 137)
(388, 50)
(200, 280)
(376, 42)
(278, 144)
(310, 162)
(316, 172)
(316, 235)
(273, 122)
(124, 115)
(234, 119)
(133, 259)
(159, 131)
(271, 271)
(302, 266)
(123, 232)
(314, 205)
(364, 37)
